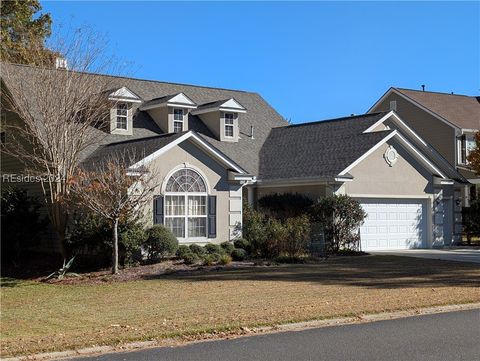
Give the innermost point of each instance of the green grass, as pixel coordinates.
(38, 317)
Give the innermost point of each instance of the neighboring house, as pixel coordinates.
(447, 121)
(215, 147)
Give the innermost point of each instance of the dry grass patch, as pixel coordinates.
(40, 317)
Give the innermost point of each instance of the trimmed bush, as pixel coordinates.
(182, 251)
(211, 248)
(225, 259)
(211, 259)
(198, 250)
(190, 258)
(160, 242)
(284, 206)
(228, 247)
(243, 244)
(239, 254)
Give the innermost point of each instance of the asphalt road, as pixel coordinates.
(446, 336)
(458, 254)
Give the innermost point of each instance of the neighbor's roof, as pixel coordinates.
(317, 150)
(461, 110)
(260, 114)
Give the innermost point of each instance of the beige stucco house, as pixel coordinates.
(216, 148)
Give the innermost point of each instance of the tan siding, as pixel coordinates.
(440, 135)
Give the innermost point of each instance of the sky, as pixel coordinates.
(309, 60)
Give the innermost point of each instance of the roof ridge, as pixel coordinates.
(164, 135)
(146, 80)
(331, 120)
(436, 92)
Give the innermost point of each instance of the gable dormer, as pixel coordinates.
(221, 117)
(121, 112)
(170, 112)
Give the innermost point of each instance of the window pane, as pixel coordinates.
(122, 109)
(186, 180)
(121, 122)
(228, 131)
(174, 205)
(176, 225)
(197, 227)
(177, 114)
(229, 117)
(197, 205)
(177, 127)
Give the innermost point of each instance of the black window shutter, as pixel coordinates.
(158, 210)
(464, 149)
(212, 216)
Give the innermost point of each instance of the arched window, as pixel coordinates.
(186, 204)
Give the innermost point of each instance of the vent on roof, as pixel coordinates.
(61, 63)
(423, 87)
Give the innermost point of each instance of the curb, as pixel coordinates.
(288, 327)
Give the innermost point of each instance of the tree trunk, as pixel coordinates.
(115, 247)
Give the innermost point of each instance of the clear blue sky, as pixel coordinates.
(310, 60)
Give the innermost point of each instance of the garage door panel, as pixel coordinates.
(393, 224)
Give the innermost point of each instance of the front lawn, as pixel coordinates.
(38, 317)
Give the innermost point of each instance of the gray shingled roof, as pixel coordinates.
(260, 115)
(319, 149)
(461, 110)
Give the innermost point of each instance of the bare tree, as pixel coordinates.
(53, 115)
(114, 191)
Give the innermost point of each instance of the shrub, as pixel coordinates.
(243, 244)
(21, 222)
(225, 259)
(471, 220)
(286, 205)
(340, 217)
(239, 254)
(211, 259)
(254, 228)
(198, 250)
(190, 258)
(160, 242)
(211, 248)
(182, 251)
(297, 236)
(89, 238)
(228, 247)
(277, 234)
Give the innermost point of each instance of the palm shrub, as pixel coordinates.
(340, 216)
(160, 242)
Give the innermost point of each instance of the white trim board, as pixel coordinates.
(199, 141)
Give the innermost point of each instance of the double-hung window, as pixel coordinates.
(465, 145)
(229, 124)
(122, 116)
(178, 117)
(186, 204)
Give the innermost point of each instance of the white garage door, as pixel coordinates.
(393, 224)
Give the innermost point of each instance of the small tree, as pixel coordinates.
(474, 156)
(340, 216)
(114, 191)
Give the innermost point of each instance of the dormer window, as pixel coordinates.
(121, 112)
(122, 116)
(178, 117)
(229, 124)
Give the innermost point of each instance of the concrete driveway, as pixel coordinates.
(448, 254)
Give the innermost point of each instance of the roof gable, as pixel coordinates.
(124, 94)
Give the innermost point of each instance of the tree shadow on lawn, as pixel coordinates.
(383, 272)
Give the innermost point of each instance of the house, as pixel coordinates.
(447, 121)
(216, 147)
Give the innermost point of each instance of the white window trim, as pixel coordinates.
(121, 116)
(186, 216)
(178, 121)
(225, 125)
